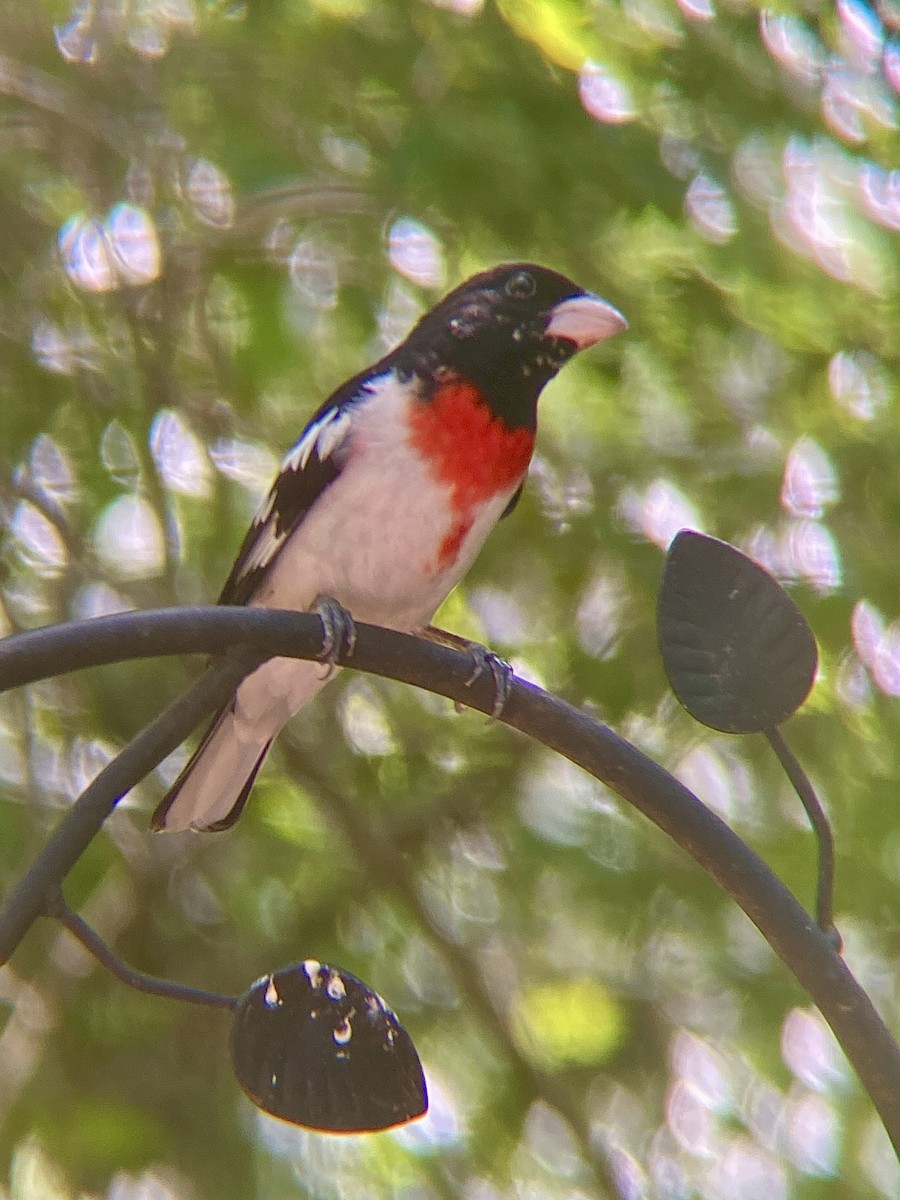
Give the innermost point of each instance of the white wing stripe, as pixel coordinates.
(332, 434)
(323, 436)
(264, 511)
(264, 548)
(297, 458)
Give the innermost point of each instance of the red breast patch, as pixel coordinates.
(470, 449)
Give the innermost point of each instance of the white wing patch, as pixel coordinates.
(323, 436)
(266, 543)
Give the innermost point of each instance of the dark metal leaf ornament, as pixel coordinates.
(314, 1045)
(738, 652)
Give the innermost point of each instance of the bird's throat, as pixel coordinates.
(468, 447)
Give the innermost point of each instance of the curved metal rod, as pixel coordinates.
(788, 928)
(71, 837)
(821, 828)
(95, 945)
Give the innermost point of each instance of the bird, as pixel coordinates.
(386, 498)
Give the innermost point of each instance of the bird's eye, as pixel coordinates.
(520, 286)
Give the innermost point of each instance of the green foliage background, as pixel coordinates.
(591, 1012)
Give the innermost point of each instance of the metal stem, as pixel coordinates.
(94, 944)
(822, 830)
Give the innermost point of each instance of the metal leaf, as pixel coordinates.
(738, 652)
(314, 1045)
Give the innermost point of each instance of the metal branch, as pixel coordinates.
(41, 882)
(788, 928)
(95, 945)
(821, 828)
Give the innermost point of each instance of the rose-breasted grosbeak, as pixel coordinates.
(386, 499)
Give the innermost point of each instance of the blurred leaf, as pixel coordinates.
(108, 1135)
(569, 1022)
(561, 29)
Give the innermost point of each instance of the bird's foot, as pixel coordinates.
(483, 660)
(338, 632)
(501, 673)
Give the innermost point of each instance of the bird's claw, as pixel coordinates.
(338, 631)
(482, 660)
(501, 673)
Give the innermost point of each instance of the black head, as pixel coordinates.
(508, 331)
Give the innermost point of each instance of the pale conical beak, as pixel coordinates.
(584, 320)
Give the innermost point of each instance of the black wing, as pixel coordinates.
(312, 464)
(513, 500)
